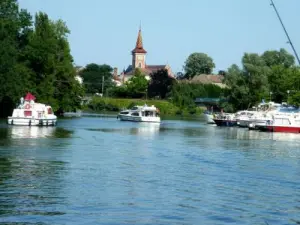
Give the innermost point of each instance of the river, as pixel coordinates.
(103, 171)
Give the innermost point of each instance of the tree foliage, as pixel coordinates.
(135, 87)
(198, 63)
(278, 58)
(184, 94)
(93, 76)
(270, 76)
(160, 85)
(35, 57)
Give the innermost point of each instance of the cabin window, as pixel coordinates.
(149, 113)
(135, 114)
(27, 113)
(49, 111)
(123, 113)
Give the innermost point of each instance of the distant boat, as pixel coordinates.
(78, 113)
(140, 114)
(31, 113)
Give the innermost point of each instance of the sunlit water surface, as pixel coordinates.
(104, 171)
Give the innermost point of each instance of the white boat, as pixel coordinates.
(78, 113)
(261, 117)
(31, 113)
(244, 117)
(209, 117)
(289, 123)
(140, 114)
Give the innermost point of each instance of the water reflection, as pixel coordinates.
(143, 129)
(245, 134)
(146, 129)
(31, 132)
(34, 132)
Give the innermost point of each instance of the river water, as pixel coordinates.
(104, 171)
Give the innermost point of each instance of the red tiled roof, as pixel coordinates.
(207, 79)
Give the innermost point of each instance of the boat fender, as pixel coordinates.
(29, 122)
(47, 123)
(117, 117)
(12, 122)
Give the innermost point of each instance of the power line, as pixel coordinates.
(289, 40)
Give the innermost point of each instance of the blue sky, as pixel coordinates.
(106, 31)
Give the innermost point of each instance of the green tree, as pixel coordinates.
(293, 85)
(277, 58)
(50, 60)
(137, 85)
(256, 73)
(280, 63)
(198, 63)
(68, 91)
(160, 84)
(13, 73)
(92, 76)
(239, 94)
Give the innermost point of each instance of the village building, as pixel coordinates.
(139, 61)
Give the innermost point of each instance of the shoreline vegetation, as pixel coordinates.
(114, 105)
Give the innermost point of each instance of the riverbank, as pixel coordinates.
(103, 105)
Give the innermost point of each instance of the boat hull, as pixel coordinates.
(243, 123)
(225, 123)
(139, 119)
(19, 121)
(282, 129)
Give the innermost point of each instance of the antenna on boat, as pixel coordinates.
(289, 40)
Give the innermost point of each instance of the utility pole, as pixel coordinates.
(102, 84)
(289, 40)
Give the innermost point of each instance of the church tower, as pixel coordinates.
(139, 53)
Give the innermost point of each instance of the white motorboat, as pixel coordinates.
(31, 113)
(140, 114)
(260, 118)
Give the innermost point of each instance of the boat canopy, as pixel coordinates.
(29, 97)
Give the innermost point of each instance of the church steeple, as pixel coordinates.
(139, 53)
(139, 44)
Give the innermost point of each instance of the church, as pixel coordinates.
(139, 61)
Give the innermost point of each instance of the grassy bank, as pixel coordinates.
(100, 105)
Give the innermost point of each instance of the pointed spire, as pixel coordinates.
(139, 43)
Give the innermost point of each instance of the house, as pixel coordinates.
(139, 61)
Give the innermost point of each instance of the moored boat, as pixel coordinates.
(283, 123)
(31, 113)
(225, 119)
(140, 114)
